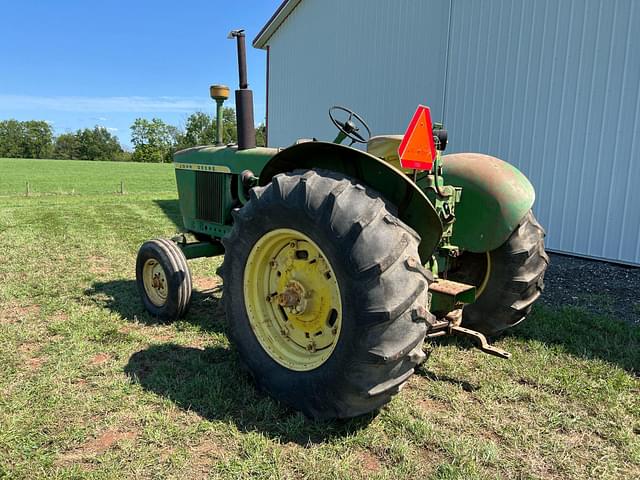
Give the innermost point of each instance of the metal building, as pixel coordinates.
(552, 86)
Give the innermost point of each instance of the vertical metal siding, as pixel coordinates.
(552, 86)
(380, 58)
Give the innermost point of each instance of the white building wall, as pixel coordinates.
(552, 86)
(379, 58)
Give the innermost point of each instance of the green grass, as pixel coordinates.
(82, 177)
(92, 387)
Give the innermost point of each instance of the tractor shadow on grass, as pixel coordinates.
(171, 209)
(583, 334)
(121, 297)
(571, 330)
(424, 372)
(212, 383)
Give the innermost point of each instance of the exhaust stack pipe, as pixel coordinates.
(244, 98)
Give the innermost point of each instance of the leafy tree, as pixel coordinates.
(66, 146)
(261, 135)
(11, 138)
(89, 144)
(38, 136)
(229, 127)
(30, 139)
(122, 156)
(200, 129)
(97, 144)
(153, 140)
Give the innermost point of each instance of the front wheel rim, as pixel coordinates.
(292, 299)
(154, 280)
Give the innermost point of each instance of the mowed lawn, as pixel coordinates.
(82, 177)
(93, 387)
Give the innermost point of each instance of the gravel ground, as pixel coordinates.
(596, 286)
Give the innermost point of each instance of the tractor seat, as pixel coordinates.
(386, 147)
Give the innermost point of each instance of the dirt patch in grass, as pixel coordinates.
(13, 313)
(98, 265)
(135, 328)
(209, 449)
(35, 363)
(29, 348)
(162, 338)
(30, 352)
(100, 358)
(104, 441)
(206, 283)
(96, 446)
(368, 462)
(128, 328)
(430, 458)
(204, 455)
(430, 406)
(59, 317)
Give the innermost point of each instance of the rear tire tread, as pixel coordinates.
(385, 354)
(516, 282)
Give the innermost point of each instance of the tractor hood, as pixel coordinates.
(226, 159)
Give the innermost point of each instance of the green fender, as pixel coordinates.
(414, 208)
(495, 198)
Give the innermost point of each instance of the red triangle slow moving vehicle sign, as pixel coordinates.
(417, 149)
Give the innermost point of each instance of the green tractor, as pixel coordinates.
(339, 263)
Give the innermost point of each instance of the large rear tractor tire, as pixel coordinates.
(324, 293)
(164, 279)
(509, 279)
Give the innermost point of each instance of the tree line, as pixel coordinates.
(153, 140)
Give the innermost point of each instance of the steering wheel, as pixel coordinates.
(350, 128)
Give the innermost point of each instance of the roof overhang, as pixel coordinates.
(281, 14)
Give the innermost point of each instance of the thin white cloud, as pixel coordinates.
(103, 104)
(112, 129)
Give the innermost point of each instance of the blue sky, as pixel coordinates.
(82, 63)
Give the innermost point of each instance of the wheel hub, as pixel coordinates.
(155, 282)
(292, 299)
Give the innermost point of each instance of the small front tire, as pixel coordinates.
(163, 279)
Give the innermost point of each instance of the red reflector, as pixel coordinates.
(417, 149)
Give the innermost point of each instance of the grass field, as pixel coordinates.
(92, 387)
(82, 177)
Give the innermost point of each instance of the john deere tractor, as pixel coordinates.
(340, 263)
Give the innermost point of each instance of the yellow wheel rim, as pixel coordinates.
(293, 299)
(485, 279)
(155, 282)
